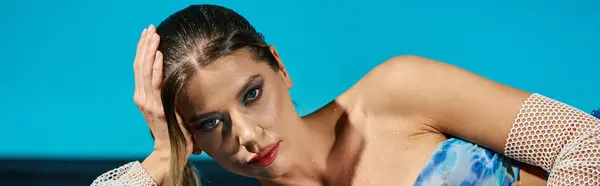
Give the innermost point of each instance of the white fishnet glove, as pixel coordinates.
(130, 174)
(561, 139)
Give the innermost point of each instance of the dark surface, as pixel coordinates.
(49, 172)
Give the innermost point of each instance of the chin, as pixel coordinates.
(278, 169)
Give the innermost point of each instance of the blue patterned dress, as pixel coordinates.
(459, 163)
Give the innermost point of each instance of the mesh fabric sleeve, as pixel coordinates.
(559, 138)
(130, 174)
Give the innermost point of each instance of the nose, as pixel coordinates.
(246, 132)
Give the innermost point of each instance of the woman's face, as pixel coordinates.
(239, 112)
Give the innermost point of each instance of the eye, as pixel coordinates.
(252, 94)
(209, 124)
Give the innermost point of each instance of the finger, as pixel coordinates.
(149, 63)
(140, 43)
(157, 76)
(147, 44)
(140, 61)
(136, 74)
(143, 45)
(144, 52)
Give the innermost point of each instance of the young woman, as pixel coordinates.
(211, 83)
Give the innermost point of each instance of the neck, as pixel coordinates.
(314, 143)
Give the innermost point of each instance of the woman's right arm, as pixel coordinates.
(151, 172)
(154, 170)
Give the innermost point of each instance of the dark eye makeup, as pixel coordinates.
(252, 94)
(253, 90)
(210, 122)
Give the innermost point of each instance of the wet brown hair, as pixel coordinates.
(191, 38)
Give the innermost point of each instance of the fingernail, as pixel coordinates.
(144, 32)
(156, 55)
(151, 27)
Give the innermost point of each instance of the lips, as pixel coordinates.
(266, 157)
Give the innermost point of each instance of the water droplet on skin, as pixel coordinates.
(313, 175)
(382, 157)
(412, 138)
(312, 161)
(405, 148)
(372, 182)
(363, 181)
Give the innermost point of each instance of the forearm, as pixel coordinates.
(156, 166)
(152, 171)
(558, 138)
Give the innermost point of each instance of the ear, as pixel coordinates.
(189, 138)
(282, 70)
(191, 146)
(190, 143)
(196, 150)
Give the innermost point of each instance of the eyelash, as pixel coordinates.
(205, 126)
(259, 92)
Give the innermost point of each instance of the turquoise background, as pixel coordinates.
(67, 79)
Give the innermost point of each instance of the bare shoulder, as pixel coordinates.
(453, 100)
(368, 94)
(373, 89)
(389, 83)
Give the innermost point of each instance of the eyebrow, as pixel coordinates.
(246, 85)
(200, 117)
(239, 94)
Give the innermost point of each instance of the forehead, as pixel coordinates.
(222, 78)
(228, 69)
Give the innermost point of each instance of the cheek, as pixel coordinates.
(210, 144)
(271, 113)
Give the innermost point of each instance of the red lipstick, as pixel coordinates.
(266, 157)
